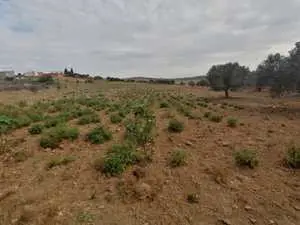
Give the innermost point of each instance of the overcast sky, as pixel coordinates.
(159, 38)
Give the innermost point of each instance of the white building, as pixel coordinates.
(30, 74)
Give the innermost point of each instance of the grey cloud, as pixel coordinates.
(152, 37)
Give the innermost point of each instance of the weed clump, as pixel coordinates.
(115, 118)
(216, 118)
(246, 158)
(54, 137)
(116, 160)
(88, 119)
(164, 105)
(293, 157)
(207, 114)
(36, 129)
(99, 135)
(232, 122)
(178, 158)
(60, 161)
(175, 126)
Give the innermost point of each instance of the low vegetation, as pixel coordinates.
(178, 158)
(246, 158)
(293, 157)
(60, 161)
(232, 122)
(36, 129)
(175, 126)
(99, 135)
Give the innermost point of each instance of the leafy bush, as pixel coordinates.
(164, 105)
(53, 138)
(46, 79)
(293, 157)
(139, 131)
(207, 114)
(53, 122)
(232, 122)
(36, 129)
(175, 126)
(115, 118)
(87, 119)
(246, 158)
(22, 121)
(6, 123)
(117, 159)
(99, 135)
(60, 161)
(216, 118)
(178, 158)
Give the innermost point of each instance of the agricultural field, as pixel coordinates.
(124, 153)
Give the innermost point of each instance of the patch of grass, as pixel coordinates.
(216, 118)
(207, 114)
(192, 198)
(53, 122)
(115, 118)
(175, 126)
(178, 158)
(99, 135)
(116, 160)
(36, 129)
(61, 161)
(246, 158)
(293, 157)
(85, 218)
(164, 105)
(88, 119)
(232, 122)
(53, 138)
(22, 103)
(20, 156)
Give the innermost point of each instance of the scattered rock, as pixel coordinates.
(272, 222)
(297, 208)
(225, 144)
(188, 143)
(253, 221)
(225, 221)
(143, 191)
(101, 207)
(248, 207)
(139, 172)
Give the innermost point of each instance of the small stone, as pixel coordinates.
(139, 172)
(248, 207)
(225, 144)
(101, 207)
(253, 221)
(188, 143)
(143, 191)
(272, 222)
(297, 208)
(225, 221)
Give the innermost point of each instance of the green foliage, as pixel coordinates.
(54, 121)
(293, 157)
(232, 122)
(164, 105)
(85, 218)
(175, 126)
(53, 137)
(22, 121)
(178, 158)
(246, 158)
(115, 118)
(6, 123)
(139, 131)
(99, 135)
(118, 159)
(36, 129)
(87, 119)
(46, 79)
(207, 114)
(60, 161)
(216, 118)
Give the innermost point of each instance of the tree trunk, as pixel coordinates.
(226, 93)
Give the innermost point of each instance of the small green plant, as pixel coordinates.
(36, 129)
(293, 157)
(85, 218)
(53, 138)
(207, 114)
(115, 118)
(246, 158)
(87, 119)
(232, 122)
(192, 198)
(178, 158)
(216, 118)
(164, 105)
(22, 103)
(53, 122)
(99, 135)
(175, 126)
(60, 161)
(117, 159)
